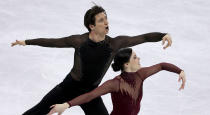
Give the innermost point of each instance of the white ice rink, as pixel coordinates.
(28, 73)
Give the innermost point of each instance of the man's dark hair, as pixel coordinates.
(89, 17)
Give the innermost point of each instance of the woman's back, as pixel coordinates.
(127, 100)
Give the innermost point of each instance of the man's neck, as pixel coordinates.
(96, 37)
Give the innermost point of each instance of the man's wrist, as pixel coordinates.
(166, 34)
(24, 42)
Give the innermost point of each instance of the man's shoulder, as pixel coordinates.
(108, 39)
(107, 36)
(78, 37)
(83, 35)
(86, 34)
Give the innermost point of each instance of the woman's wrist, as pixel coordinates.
(182, 71)
(69, 104)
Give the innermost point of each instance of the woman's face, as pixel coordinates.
(134, 63)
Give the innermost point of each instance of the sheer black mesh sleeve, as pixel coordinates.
(128, 41)
(70, 41)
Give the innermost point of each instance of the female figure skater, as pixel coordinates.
(126, 89)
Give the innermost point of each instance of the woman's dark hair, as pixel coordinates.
(89, 17)
(122, 57)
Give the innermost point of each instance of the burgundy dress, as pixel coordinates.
(126, 101)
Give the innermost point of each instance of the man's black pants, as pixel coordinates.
(65, 91)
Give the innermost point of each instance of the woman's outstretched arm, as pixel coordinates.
(148, 71)
(107, 87)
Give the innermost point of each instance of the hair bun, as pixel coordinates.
(115, 67)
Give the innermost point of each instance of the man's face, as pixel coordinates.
(101, 24)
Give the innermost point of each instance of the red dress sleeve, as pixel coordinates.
(107, 87)
(148, 71)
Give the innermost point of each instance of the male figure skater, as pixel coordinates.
(94, 52)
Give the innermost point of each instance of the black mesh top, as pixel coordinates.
(92, 59)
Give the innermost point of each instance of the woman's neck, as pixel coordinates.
(131, 70)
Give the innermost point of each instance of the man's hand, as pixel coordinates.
(168, 39)
(183, 78)
(58, 108)
(18, 42)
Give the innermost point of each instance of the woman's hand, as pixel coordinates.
(183, 78)
(58, 108)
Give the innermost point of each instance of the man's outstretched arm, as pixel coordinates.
(70, 41)
(128, 41)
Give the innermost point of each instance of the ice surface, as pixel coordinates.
(28, 73)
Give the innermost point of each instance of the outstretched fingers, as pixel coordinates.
(60, 113)
(52, 106)
(168, 44)
(17, 42)
(183, 82)
(14, 43)
(169, 41)
(182, 86)
(163, 41)
(51, 112)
